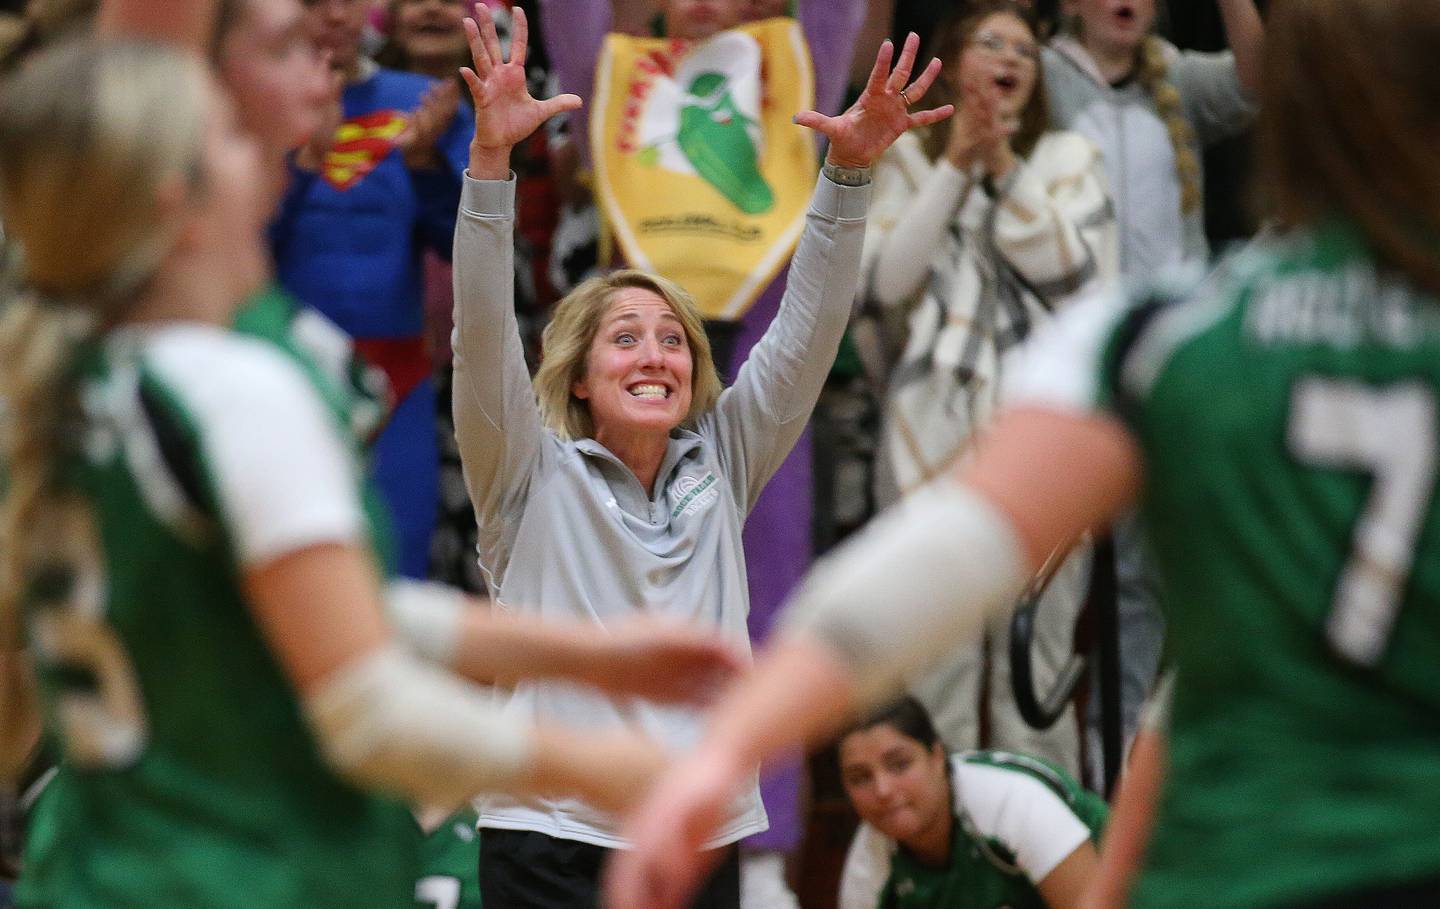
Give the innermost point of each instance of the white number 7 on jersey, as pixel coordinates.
(1390, 433)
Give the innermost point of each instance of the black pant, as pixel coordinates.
(520, 869)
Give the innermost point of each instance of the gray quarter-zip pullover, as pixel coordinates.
(566, 530)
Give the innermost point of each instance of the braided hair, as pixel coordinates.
(120, 120)
(1152, 71)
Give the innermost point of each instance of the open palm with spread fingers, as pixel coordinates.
(504, 111)
(881, 114)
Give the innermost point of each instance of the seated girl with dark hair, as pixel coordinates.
(972, 830)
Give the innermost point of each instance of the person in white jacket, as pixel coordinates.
(983, 226)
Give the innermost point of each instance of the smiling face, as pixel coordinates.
(1116, 26)
(1002, 56)
(638, 369)
(897, 785)
(431, 31)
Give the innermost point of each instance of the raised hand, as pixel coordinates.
(427, 123)
(882, 112)
(504, 111)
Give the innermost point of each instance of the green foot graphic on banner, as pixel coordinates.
(715, 137)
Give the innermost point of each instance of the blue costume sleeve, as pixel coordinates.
(438, 190)
(282, 228)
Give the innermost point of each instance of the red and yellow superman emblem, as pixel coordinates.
(361, 143)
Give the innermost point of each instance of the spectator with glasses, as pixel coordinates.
(984, 225)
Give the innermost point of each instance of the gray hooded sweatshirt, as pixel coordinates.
(1135, 144)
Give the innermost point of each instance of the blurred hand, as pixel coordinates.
(427, 123)
(881, 114)
(504, 111)
(666, 662)
(665, 864)
(625, 768)
(311, 156)
(980, 133)
(611, 771)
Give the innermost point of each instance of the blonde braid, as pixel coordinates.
(41, 395)
(93, 130)
(1153, 76)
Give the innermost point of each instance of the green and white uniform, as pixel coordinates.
(1016, 818)
(450, 864)
(1287, 414)
(190, 778)
(325, 354)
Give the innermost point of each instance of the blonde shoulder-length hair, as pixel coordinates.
(566, 346)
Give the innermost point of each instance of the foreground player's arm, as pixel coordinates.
(934, 570)
(1065, 886)
(390, 720)
(656, 660)
(292, 517)
(922, 578)
(1128, 833)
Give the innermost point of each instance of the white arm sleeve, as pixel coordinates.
(390, 721)
(280, 468)
(427, 617)
(923, 577)
(867, 868)
(1018, 810)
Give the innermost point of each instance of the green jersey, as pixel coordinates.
(354, 392)
(1286, 410)
(450, 864)
(189, 776)
(1016, 818)
(324, 353)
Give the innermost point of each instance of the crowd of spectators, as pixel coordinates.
(1075, 157)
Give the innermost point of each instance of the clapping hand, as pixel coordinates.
(427, 123)
(504, 111)
(981, 134)
(329, 114)
(882, 112)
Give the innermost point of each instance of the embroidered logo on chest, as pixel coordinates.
(693, 495)
(361, 143)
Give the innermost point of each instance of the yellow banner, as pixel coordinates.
(702, 176)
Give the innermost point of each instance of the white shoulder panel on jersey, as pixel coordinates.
(867, 868)
(284, 475)
(1018, 810)
(1059, 368)
(329, 346)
